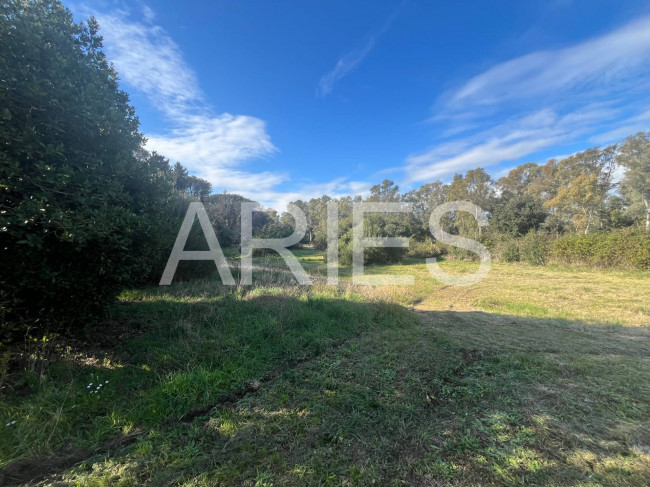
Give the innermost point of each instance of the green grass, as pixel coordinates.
(536, 376)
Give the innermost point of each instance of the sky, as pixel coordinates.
(280, 100)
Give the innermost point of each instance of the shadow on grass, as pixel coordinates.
(318, 388)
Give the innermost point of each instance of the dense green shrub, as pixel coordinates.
(375, 225)
(533, 248)
(518, 216)
(510, 252)
(84, 210)
(371, 255)
(625, 249)
(422, 249)
(502, 247)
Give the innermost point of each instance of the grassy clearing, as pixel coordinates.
(536, 376)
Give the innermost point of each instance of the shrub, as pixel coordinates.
(375, 225)
(371, 255)
(84, 209)
(518, 216)
(510, 252)
(625, 249)
(422, 249)
(502, 247)
(533, 248)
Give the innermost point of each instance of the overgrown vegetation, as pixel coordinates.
(85, 210)
(621, 249)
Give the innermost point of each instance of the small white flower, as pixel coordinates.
(106, 382)
(13, 422)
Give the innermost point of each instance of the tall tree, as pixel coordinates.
(385, 192)
(634, 155)
(581, 200)
(477, 186)
(424, 200)
(581, 185)
(518, 180)
(83, 207)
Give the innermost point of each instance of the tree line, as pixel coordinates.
(575, 195)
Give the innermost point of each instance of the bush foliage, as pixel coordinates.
(624, 249)
(85, 209)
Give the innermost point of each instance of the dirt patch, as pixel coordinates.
(223, 400)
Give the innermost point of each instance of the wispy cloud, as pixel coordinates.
(595, 91)
(508, 141)
(344, 66)
(612, 62)
(352, 59)
(212, 146)
(151, 62)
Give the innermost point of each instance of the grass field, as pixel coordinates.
(535, 376)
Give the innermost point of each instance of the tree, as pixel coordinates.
(385, 192)
(424, 200)
(192, 185)
(518, 180)
(580, 186)
(84, 208)
(580, 201)
(634, 155)
(224, 210)
(480, 188)
(545, 184)
(518, 216)
(477, 186)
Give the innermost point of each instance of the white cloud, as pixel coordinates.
(344, 66)
(507, 142)
(211, 146)
(151, 62)
(352, 59)
(222, 141)
(594, 91)
(614, 60)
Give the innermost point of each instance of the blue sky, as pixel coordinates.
(285, 100)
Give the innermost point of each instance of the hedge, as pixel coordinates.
(623, 249)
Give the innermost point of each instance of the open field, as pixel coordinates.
(535, 376)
